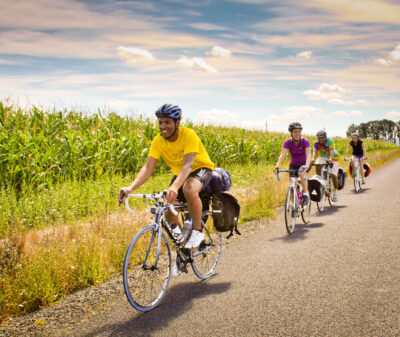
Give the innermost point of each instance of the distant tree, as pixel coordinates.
(351, 129)
(379, 129)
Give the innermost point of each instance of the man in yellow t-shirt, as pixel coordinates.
(184, 153)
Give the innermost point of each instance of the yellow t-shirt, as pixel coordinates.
(173, 152)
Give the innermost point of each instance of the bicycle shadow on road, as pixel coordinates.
(178, 300)
(363, 190)
(330, 210)
(300, 232)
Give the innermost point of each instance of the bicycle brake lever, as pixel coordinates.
(121, 197)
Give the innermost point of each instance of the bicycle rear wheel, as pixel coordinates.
(321, 203)
(206, 257)
(306, 213)
(290, 210)
(145, 280)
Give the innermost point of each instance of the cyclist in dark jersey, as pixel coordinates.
(359, 152)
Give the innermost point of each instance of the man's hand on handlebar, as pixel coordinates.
(276, 170)
(172, 194)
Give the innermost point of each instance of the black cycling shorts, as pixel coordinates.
(295, 168)
(202, 174)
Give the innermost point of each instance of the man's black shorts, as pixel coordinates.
(202, 174)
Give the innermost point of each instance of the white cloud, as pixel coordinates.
(134, 55)
(382, 62)
(325, 91)
(394, 57)
(217, 115)
(220, 52)
(395, 54)
(196, 63)
(395, 115)
(356, 113)
(304, 55)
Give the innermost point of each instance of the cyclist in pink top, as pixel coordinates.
(300, 156)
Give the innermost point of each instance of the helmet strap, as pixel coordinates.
(176, 129)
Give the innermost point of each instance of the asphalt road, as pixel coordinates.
(337, 276)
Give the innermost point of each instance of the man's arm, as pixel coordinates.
(144, 174)
(172, 191)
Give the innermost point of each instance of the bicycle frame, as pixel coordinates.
(159, 209)
(356, 166)
(294, 181)
(292, 211)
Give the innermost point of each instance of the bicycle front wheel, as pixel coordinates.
(146, 277)
(206, 257)
(306, 213)
(356, 184)
(290, 211)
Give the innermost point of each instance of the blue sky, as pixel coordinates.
(324, 63)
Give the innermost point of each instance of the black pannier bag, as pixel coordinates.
(228, 219)
(220, 181)
(316, 188)
(342, 177)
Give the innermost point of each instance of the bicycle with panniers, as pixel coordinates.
(294, 202)
(356, 173)
(148, 267)
(325, 184)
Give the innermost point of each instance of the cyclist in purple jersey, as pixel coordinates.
(300, 156)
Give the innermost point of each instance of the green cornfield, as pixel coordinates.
(50, 160)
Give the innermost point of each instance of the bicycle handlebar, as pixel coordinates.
(289, 171)
(350, 159)
(152, 196)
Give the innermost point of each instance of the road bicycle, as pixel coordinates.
(328, 187)
(356, 172)
(148, 262)
(294, 202)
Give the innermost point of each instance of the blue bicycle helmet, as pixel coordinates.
(169, 110)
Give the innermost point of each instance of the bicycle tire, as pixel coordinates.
(146, 286)
(290, 211)
(206, 257)
(355, 181)
(306, 213)
(321, 203)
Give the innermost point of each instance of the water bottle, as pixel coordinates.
(299, 196)
(176, 232)
(325, 173)
(186, 229)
